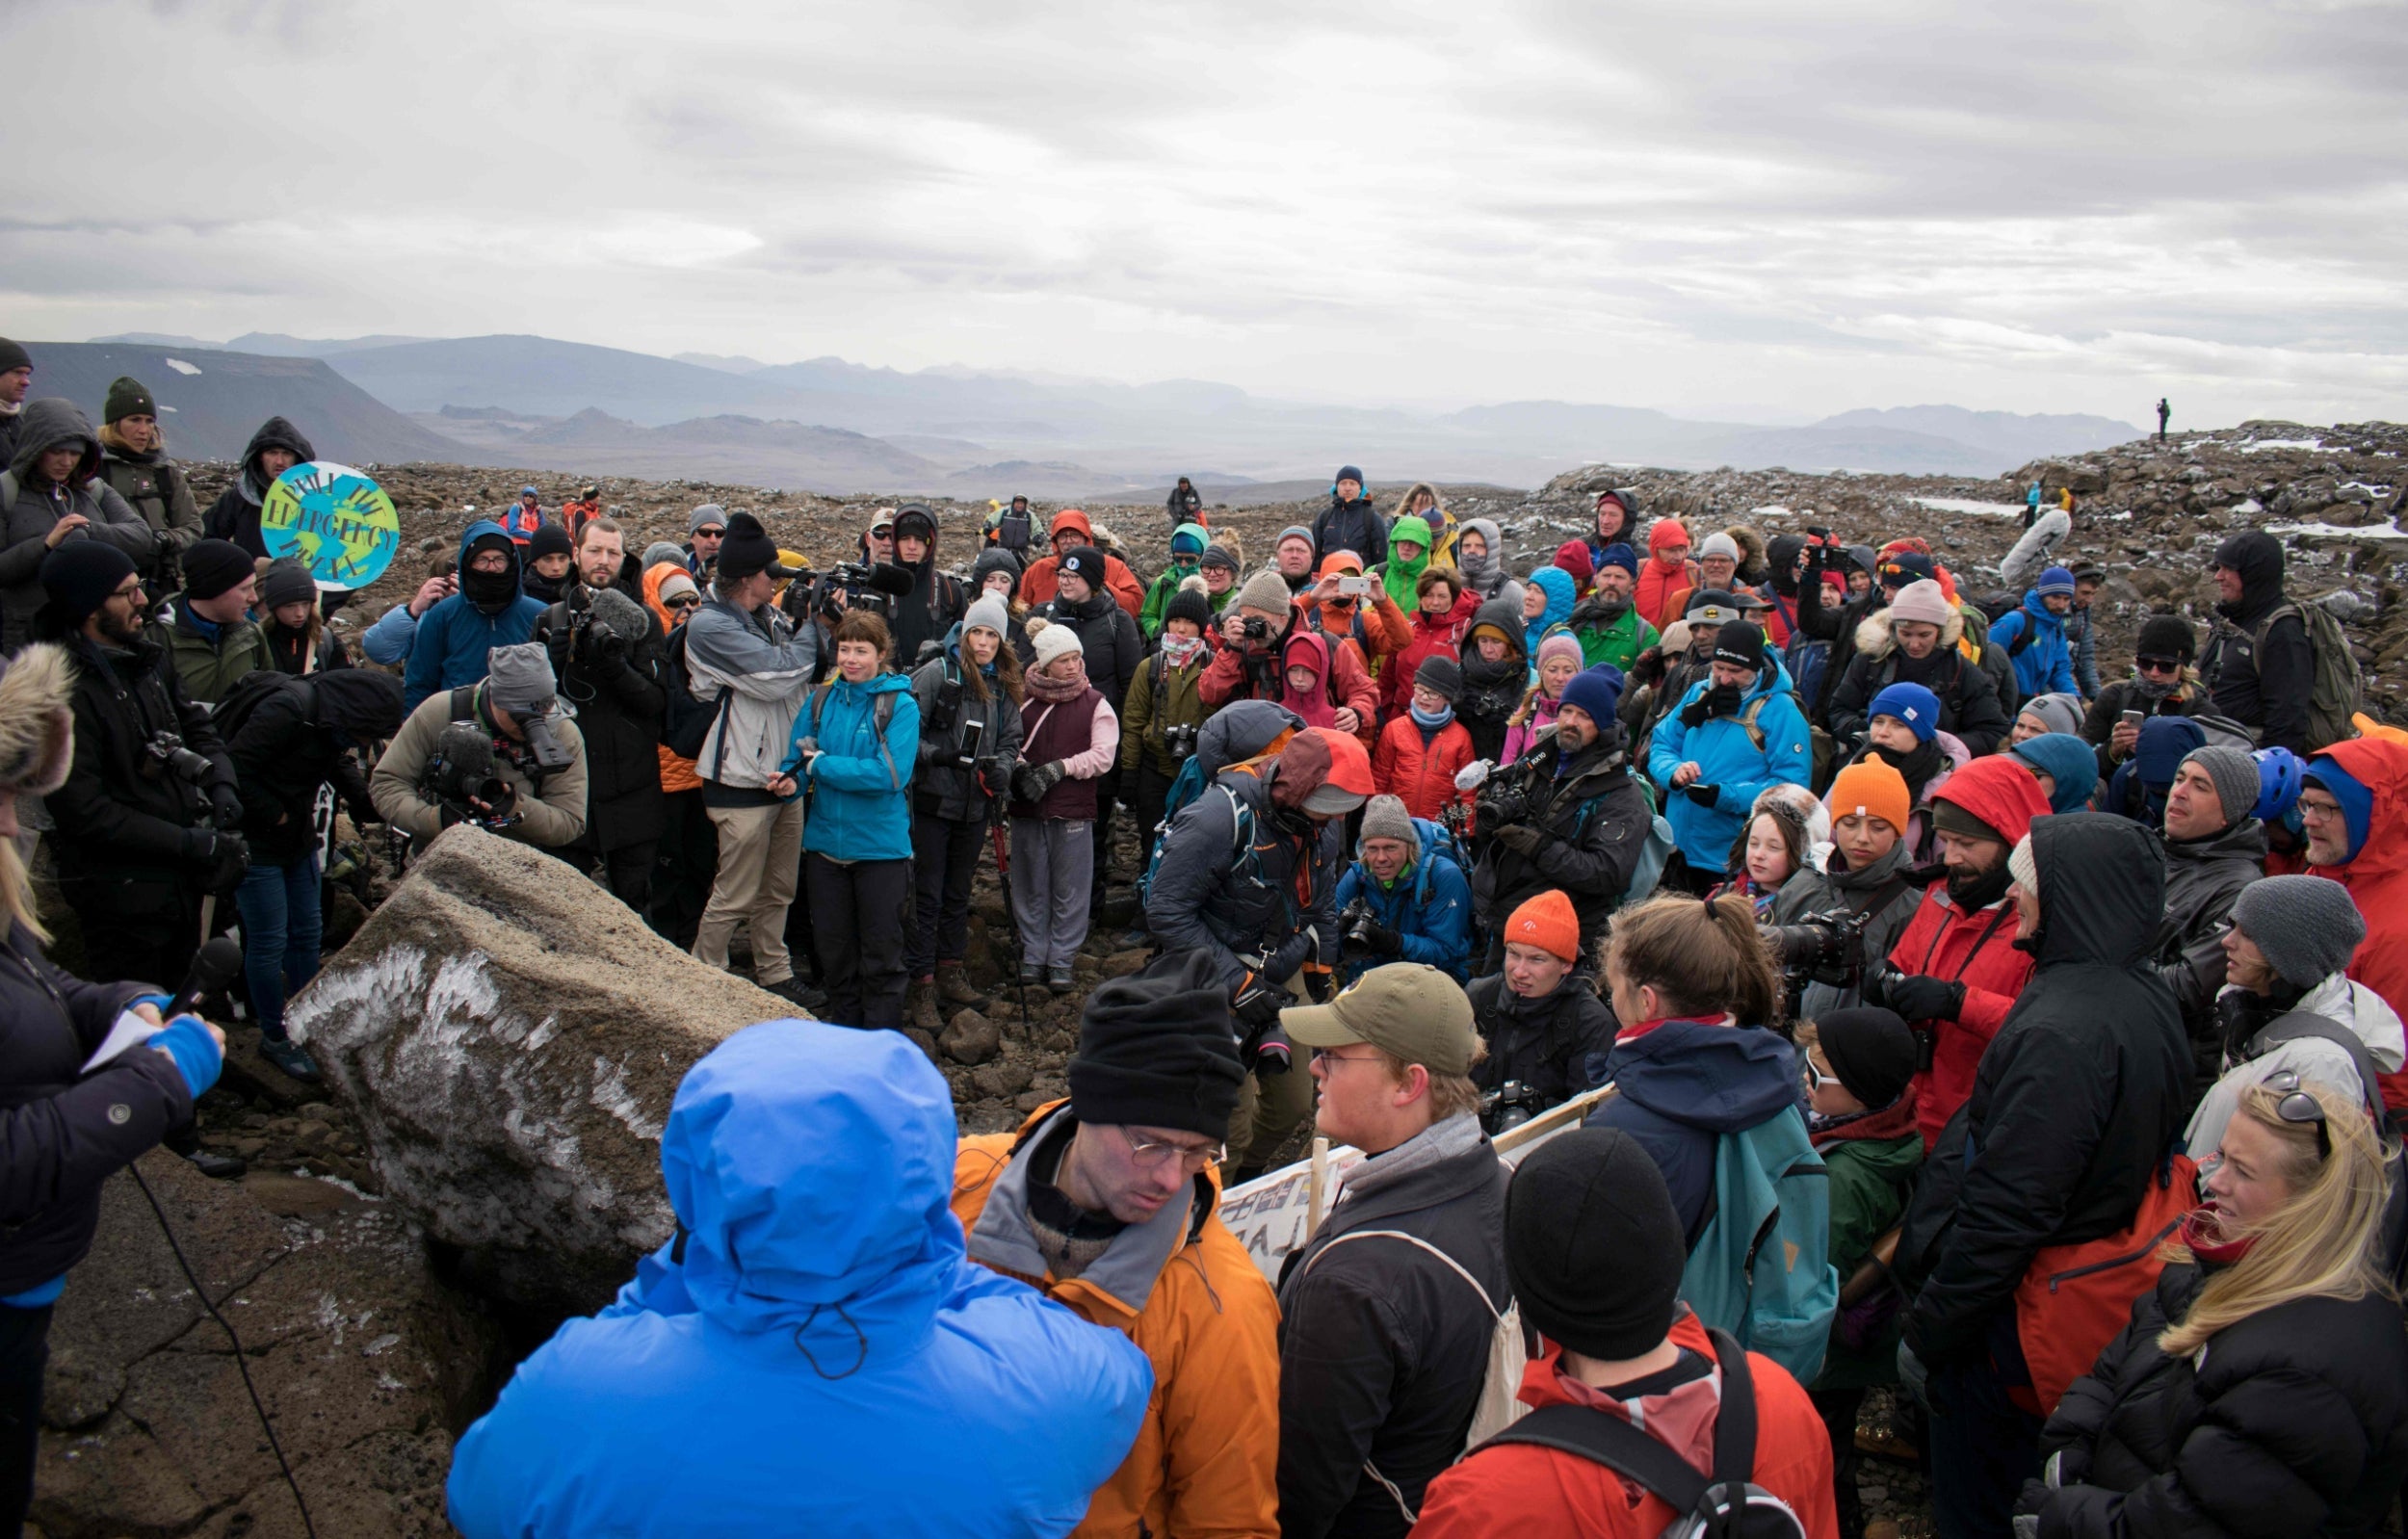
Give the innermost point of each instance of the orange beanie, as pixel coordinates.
(1548, 923)
(1872, 788)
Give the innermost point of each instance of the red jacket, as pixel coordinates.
(1663, 596)
(1349, 682)
(1441, 636)
(1039, 582)
(2378, 878)
(1976, 949)
(1521, 1491)
(1423, 776)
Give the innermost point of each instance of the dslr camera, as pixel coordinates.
(461, 773)
(1510, 796)
(169, 757)
(1355, 922)
(1181, 741)
(1256, 628)
(1507, 1106)
(1827, 949)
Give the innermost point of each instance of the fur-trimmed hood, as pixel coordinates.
(1875, 641)
(37, 731)
(1752, 567)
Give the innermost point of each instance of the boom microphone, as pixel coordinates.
(213, 968)
(887, 579)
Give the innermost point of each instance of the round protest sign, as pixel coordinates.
(334, 520)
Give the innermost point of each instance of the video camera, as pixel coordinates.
(866, 586)
(1507, 1106)
(461, 773)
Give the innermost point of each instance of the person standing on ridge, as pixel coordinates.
(2163, 411)
(1350, 522)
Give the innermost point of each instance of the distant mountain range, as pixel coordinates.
(826, 424)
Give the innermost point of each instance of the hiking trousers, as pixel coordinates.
(760, 855)
(1052, 863)
(945, 861)
(859, 909)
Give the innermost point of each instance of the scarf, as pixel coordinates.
(1181, 650)
(1892, 1121)
(1916, 769)
(1432, 721)
(1056, 691)
(1491, 689)
(489, 593)
(2203, 1237)
(2151, 688)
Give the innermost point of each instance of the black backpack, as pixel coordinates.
(1729, 1506)
(687, 723)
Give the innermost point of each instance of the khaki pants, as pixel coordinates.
(1272, 1106)
(760, 855)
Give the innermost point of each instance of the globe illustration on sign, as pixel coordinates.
(334, 520)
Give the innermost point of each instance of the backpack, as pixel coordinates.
(245, 697)
(1188, 788)
(1652, 855)
(1729, 1506)
(687, 722)
(1761, 1267)
(1807, 660)
(2337, 694)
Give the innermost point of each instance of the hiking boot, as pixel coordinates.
(796, 992)
(290, 1058)
(920, 1005)
(1132, 940)
(1058, 978)
(1030, 973)
(218, 1166)
(953, 986)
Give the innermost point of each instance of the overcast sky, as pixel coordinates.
(1705, 206)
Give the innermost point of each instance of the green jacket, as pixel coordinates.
(1871, 1179)
(154, 486)
(1618, 641)
(1143, 715)
(208, 669)
(1157, 598)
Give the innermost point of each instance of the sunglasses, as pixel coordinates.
(2157, 664)
(1811, 1077)
(710, 534)
(684, 602)
(2297, 1105)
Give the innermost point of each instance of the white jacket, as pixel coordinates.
(2338, 1000)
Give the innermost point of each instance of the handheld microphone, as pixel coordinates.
(214, 966)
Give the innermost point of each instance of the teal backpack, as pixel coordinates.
(1760, 1268)
(1652, 854)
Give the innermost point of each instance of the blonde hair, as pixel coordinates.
(1701, 956)
(2321, 1242)
(1451, 1095)
(16, 893)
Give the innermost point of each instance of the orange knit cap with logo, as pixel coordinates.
(1872, 788)
(1548, 923)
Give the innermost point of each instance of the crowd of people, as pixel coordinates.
(1949, 1020)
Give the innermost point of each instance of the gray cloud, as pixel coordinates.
(1682, 203)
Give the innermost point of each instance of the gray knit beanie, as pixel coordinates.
(661, 553)
(2060, 713)
(1267, 591)
(707, 513)
(1385, 817)
(2307, 926)
(2235, 775)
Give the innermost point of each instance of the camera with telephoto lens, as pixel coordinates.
(1355, 922)
(168, 756)
(1180, 741)
(1507, 1106)
(461, 773)
(1827, 949)
(1507, 797)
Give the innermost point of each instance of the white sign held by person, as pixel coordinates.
(1276, 1212)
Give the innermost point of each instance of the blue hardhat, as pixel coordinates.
(2279, 772)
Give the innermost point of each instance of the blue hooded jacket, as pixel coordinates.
(817, 1354)
(2045, 665)
(861, 789)
(1682, 1086)
(1562, 592)
(1429, 905)
(1728, 759)
(453, 637)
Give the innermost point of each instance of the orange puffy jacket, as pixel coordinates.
(1422, 774)
(1206, 1460)
(676, 774)
(1041, 580)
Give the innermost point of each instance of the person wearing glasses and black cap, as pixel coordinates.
(2078, 1100)
(2163, 683)
(1105, 1203)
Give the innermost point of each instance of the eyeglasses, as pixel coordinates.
(2297, 1105)
(1332, 1055)
(2157, 664)
(2319, 810)
(1149, 1155)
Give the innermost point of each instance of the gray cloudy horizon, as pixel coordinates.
(1718, 206)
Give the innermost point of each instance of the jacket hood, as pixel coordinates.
(1561, 593)
(487, 529)
(1726, 1079)
(273, 433)
(53, 423)
(366, 703)
(654, 575)
(1072, 518)
(995, 558)
(880, 684)
(1313, 646)
(1506, 614)
(2038, 608)
(2102, 888)
(1242, 730)
(1999, 790)
(1486, 529)
(811, 1167)
(2257, 557)
(2381, 766)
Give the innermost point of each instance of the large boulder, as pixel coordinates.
(510, 1037)
(364, 1361)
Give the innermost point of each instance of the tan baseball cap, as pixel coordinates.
(1410, 1011)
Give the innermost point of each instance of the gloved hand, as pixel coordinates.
(1258, 1008)
(609, 648)
(1385, 939)
(225, 808)
(195, 1052)
(2028, 1504)
(1702, 793)
(2066, 1467)
(202, 843)
(989, 768)
(1031, 781)
(1317, 986)
(1648, 667)
(233, 859)
(1273, 1054)
(363, 813)
(1916, 998)
(1520, 838)
(1698, 712)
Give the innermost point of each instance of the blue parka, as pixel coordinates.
(1562, 594)
(449, 648)
(815, 1354)
(1429, 906)
(1680, 1087)
(2045, 665)
(862, 787)
(1729, 760)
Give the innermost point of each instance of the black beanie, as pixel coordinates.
(1089, 562)
(287, 582)
(1440, 675)
(2167, 636)
(1871, 1053)
(1189, 604)
(747, 550)
(549, 539)
(80, 575)
(1949, 817)
(215, 566)
(1740, 642)
(127, 399)
(13, 356)
(1593, 1245)
(1156, 1050)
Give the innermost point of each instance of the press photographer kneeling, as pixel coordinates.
(499, 754)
